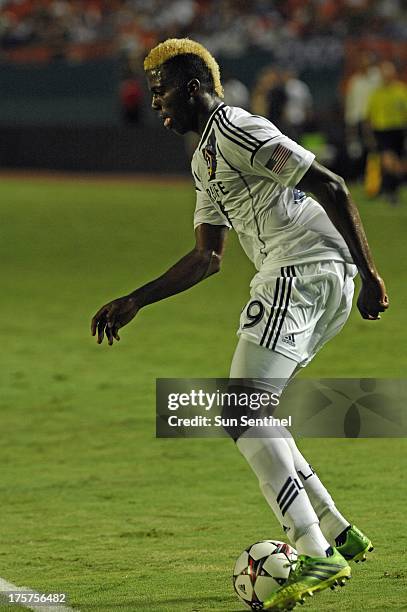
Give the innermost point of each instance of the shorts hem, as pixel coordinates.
(277, 349)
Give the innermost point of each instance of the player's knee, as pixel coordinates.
(241, 406)
(232, 412)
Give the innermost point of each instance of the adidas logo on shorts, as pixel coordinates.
(289, 339)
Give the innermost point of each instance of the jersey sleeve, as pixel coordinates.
(205, 209)
(259, 148)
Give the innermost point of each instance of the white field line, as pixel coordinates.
(8, 586)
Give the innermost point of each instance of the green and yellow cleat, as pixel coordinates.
(355, 546)
(311, 575)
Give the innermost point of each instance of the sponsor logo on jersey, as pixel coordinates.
(289, 339)
(209, 153)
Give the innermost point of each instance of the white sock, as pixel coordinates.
(312, 542)
(332, 522)
(272, 462)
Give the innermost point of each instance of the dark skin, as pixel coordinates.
(188, 108)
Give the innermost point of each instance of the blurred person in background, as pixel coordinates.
(235, 92)
(360, 86)
(131, 96)
(269, 97)
(297, 111)
(387, 119)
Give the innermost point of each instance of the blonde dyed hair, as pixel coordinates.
(180, 46)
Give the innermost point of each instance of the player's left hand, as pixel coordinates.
(112, 316)
(372, 298)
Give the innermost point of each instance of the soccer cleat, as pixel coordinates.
(355, 546)
(311, 575)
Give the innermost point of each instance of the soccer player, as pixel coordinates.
(252, 178)
(386, 115)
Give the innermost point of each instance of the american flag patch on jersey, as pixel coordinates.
(279, 159)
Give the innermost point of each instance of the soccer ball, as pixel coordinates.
(261, 569)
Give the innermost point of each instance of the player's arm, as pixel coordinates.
(203, 261)
(332, 193)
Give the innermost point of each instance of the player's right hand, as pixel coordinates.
(372, 298)
(112, 316)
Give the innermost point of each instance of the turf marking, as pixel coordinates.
(8, 586)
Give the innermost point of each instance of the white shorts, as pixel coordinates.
(295, 310)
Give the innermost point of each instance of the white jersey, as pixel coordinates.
(245, 173)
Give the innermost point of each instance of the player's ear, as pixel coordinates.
(193, 87)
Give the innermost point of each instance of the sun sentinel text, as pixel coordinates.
(218, 421)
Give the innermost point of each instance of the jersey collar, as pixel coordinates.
(209, 123)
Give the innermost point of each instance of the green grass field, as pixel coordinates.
(91, 503)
